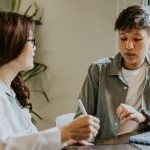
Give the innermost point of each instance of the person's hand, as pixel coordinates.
(82, 128)
(74, 142)
(128, 112)
(84, 142)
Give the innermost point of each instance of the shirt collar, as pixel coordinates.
(148, 58)
(116, 65)
(8, 91)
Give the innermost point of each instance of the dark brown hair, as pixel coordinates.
(14, 32)
(135, 16)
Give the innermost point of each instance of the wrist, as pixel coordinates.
(146, 115)
(142, 118)
(65, 134)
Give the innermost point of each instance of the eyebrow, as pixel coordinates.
(136, 34)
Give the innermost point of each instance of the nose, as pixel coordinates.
(34, 47)
(129, 45)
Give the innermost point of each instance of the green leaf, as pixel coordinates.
(38, 68)
(16, 5)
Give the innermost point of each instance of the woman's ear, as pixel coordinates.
(149, 37)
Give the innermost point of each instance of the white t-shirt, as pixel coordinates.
(16, 126)
(135, 82)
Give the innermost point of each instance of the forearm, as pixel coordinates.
(47, 139)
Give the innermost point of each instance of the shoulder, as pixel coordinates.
(2, 92)
(106, 66)
(101, 64)
(3, 101)
(3, 95)
(104, 61)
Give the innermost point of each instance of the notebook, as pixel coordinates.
(143, 138)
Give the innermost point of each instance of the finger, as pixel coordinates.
(95, 125)
(81, 116)
(95, 119)
(124, 115)
(123, 108)
(93, 131)
(90, 138)
(119, 107)
(84, 142)
(69, 142)
(132, 116)
(119, 110)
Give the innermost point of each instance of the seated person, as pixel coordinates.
(116, 89)
(17, 51)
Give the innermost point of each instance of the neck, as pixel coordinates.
(7, 74)
(133, 66)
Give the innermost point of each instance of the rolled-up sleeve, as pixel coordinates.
(89, 91)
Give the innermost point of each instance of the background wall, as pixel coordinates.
(74, 34)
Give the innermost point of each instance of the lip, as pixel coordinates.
(129, 54)
(33, 55)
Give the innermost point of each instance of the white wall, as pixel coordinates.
(74, 34)
(124, 3)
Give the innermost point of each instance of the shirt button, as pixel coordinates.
(116, 123)
(125, 87)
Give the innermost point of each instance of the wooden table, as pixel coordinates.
(118, 143)
(106, 147)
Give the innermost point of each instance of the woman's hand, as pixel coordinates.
(128, 112)
(82, 128)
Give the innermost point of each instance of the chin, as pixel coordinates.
(131, 61)
(29, 67)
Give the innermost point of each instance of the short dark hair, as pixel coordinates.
(136, 16)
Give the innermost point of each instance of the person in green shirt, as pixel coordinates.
(116, 89)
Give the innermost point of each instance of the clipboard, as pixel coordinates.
(143, 138)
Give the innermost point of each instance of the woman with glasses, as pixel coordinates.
(17, 51)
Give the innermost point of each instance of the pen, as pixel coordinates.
(80, 104)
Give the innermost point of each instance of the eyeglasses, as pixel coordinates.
(33, 41)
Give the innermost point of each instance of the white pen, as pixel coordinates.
(81, 107)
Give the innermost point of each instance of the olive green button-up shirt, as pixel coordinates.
(104, 90)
